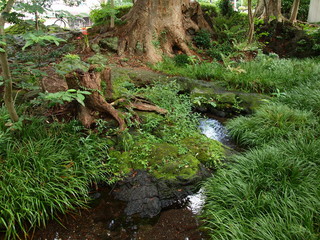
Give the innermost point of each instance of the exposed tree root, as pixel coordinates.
(139, 104)
(157, 27)
(91, 81)
(96, 102)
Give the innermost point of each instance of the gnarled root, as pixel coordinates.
(91, 81)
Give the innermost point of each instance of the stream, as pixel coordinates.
(105, 220)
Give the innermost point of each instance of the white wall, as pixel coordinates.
(314, 11)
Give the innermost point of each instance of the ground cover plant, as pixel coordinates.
(272, 190)
(265, 74)
(45, 169)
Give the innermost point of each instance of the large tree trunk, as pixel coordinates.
(160, 27)
(268, 8)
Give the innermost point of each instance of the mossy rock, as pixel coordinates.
(251, 101)
(161, 152)
(121, 84)
(237, 102)
(184, 167)
(140, 77)
(208, 151)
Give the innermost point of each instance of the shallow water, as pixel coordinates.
(214, 129)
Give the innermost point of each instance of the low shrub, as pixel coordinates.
(202, 39)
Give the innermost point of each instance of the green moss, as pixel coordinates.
(162, 152)
(110, 43)
(209, 152)
(122, 161)
(185, 166)
(121, 84)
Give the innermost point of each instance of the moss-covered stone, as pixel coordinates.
(163, 152)
(211, 99)
(121, 84)
(208, 151)
(251, 101)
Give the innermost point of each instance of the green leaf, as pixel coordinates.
(28, 44)
(2, 50)
(71, 90)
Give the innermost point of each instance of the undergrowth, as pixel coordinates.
(265, 74)
(45, 169)
(161, 141)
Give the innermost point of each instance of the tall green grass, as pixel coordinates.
(45, 169)
(270, 193)
(303, 97)
(271, 122)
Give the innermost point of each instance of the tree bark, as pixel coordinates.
(160, 27)
(112, 15)
(268, 8)
(294, 11)
(251, 22)
(8, 99)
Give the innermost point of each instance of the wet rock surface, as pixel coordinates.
(147, 196)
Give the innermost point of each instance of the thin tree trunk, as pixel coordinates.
(8, 100)
(294, 11)
(251, 22)
(112, 15)
(37, 20)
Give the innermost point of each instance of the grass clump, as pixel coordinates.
(270, 122)
(304, 97)
(269, 193)
(204, 71)
(267, 74)
(45, 169)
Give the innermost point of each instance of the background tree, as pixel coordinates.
(157, 27)
(267, 8)
(251, 22)
(294, 11)
(8, 100)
